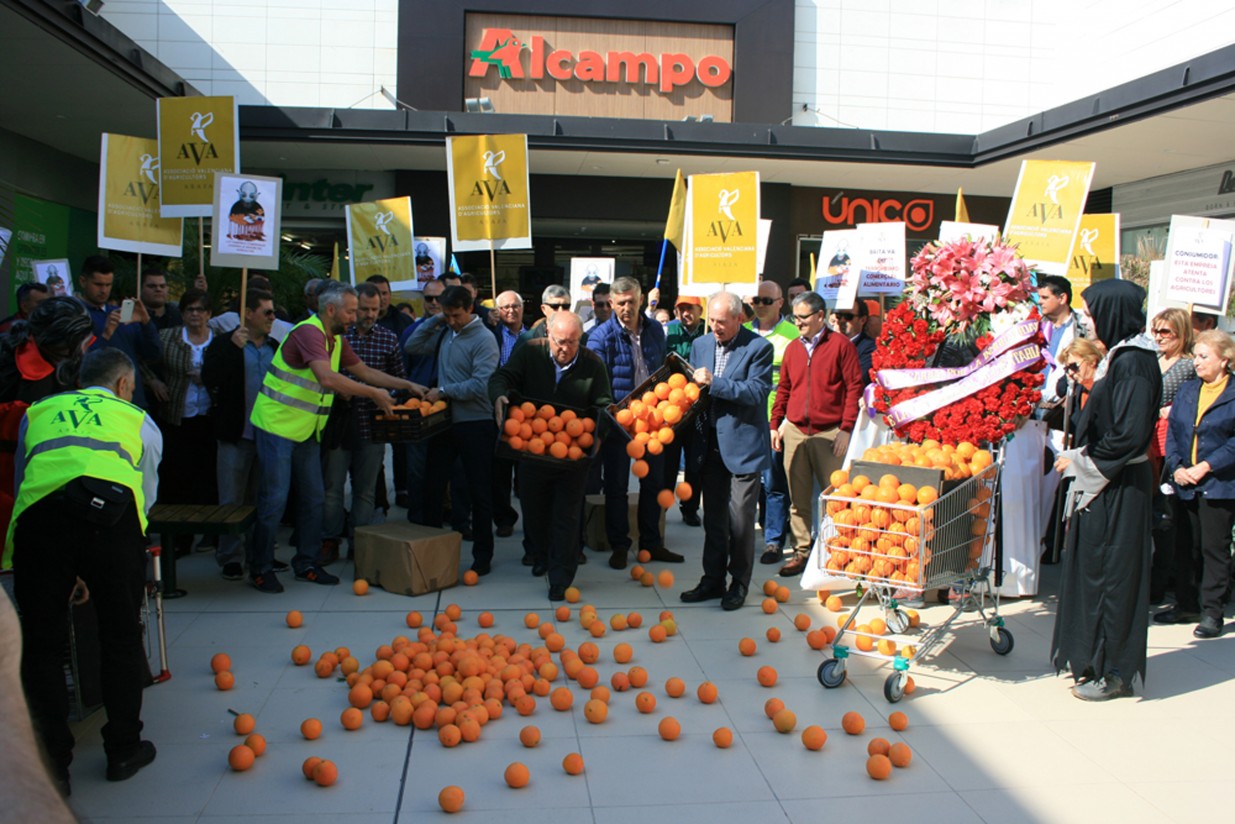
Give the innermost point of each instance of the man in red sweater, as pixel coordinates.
(815, 410)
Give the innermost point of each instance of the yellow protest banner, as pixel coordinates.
(1096, 256)
(129, 199)
(724, 220)
(380, 241)
(198, 136)
(490, 199)
(1046, 211)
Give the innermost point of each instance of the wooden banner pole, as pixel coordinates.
(492, 273)
(244, 290)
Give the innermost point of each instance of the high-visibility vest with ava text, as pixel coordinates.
(90, 433)
(291, 403)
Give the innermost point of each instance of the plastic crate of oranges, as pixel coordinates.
(533, 430)
(411, 420)
(660, 406)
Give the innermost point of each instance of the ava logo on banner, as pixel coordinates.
(490, 204)
(723, 236)
(381, 240)
(129, 199)
(1046, 211)
(1097, 254)
(198, 136)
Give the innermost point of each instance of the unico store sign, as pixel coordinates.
(514, 56)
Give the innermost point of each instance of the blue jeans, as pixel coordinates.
(776, 501)
(236, 470)
(364, 461)
(281, 461)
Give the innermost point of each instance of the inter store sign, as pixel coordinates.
(502, 49)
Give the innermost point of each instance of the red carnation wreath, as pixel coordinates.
(962, 296)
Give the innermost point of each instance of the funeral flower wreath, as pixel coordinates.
(971, 300)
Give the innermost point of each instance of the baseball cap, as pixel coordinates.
(689, 299)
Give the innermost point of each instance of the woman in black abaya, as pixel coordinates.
(1102, 620)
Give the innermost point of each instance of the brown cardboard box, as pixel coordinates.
(594, 521)
(407, 559)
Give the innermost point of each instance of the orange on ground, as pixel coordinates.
(782, 594)
(772, 706)
(241, 758)
(529, 736)
(669, 728)
(485, 619)
(773, 634)
(623, 652)
(325, 773)
(767, 676)
(747, 646)
(301, 655)
(311, 728)
(414, 619)
(657, 633)
(309, 765)
(878, 767)
(801, 621)
(898, 721)
(834, 603)
(768, 605)
(450, 799)
(707, 693)
(853, 723)
(814, 737)
(220, 662)
(257, 743)
(360, 586)
(620, 681)
(675, 688)
(596, 711)
(645, 702)
(900, 755)
(601, 693)
(770, 587)
(450, 735)
(517, 775)
(723, 738)
(471, 578)
(784, 721)
(244, 724)
(910, 686)
(634, 620)
(573, 764)
(531, 620)
(295, 618)
(878, 746)
(360, 696)
(647, 579)
(225, 680)
(351, 718)
(562, 699)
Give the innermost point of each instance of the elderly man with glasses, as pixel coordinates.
(814, 413)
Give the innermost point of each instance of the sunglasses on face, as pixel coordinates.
(1072, 367)
(1163, 333)
(431, 298)
(844, 315)
(801, 319)
(763, 301)
(558, 307)
(268, 313)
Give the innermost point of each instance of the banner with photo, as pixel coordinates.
(56, 275)
(247, 220)
(1096, 256)
(129, 218)
(430, 260)
(490, 195)
(198, 136)
(380, 241)
(1046, 210)
(723, 238)
(587, 273)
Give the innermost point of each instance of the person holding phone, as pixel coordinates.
(137, 337)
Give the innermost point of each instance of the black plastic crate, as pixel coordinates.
(408, 425)
(674, 364)
(504, 450)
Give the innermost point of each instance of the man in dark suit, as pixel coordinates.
(736, 366)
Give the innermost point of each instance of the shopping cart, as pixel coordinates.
(899, 551)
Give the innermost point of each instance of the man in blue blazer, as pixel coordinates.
(736, 366)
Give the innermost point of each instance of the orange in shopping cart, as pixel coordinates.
(927, 495)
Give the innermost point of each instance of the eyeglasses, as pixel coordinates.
(431, 298)
(558, 307)
(763, 301)
(844, 315)
(1164, 333)
(268, 313)
(510, 307)
(567, 342)
(1072, 367)
(804, 319)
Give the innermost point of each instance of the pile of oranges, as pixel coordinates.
(544, 431)
(957, 462)
(650, 418)
(882, 529)
(412, 404)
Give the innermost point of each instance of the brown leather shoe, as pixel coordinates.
(795, 566)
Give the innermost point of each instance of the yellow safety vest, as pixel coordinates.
(291, 403)
(90, 433)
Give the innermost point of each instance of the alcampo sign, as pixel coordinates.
(503, 49)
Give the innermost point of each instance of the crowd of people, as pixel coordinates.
(105, 411)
